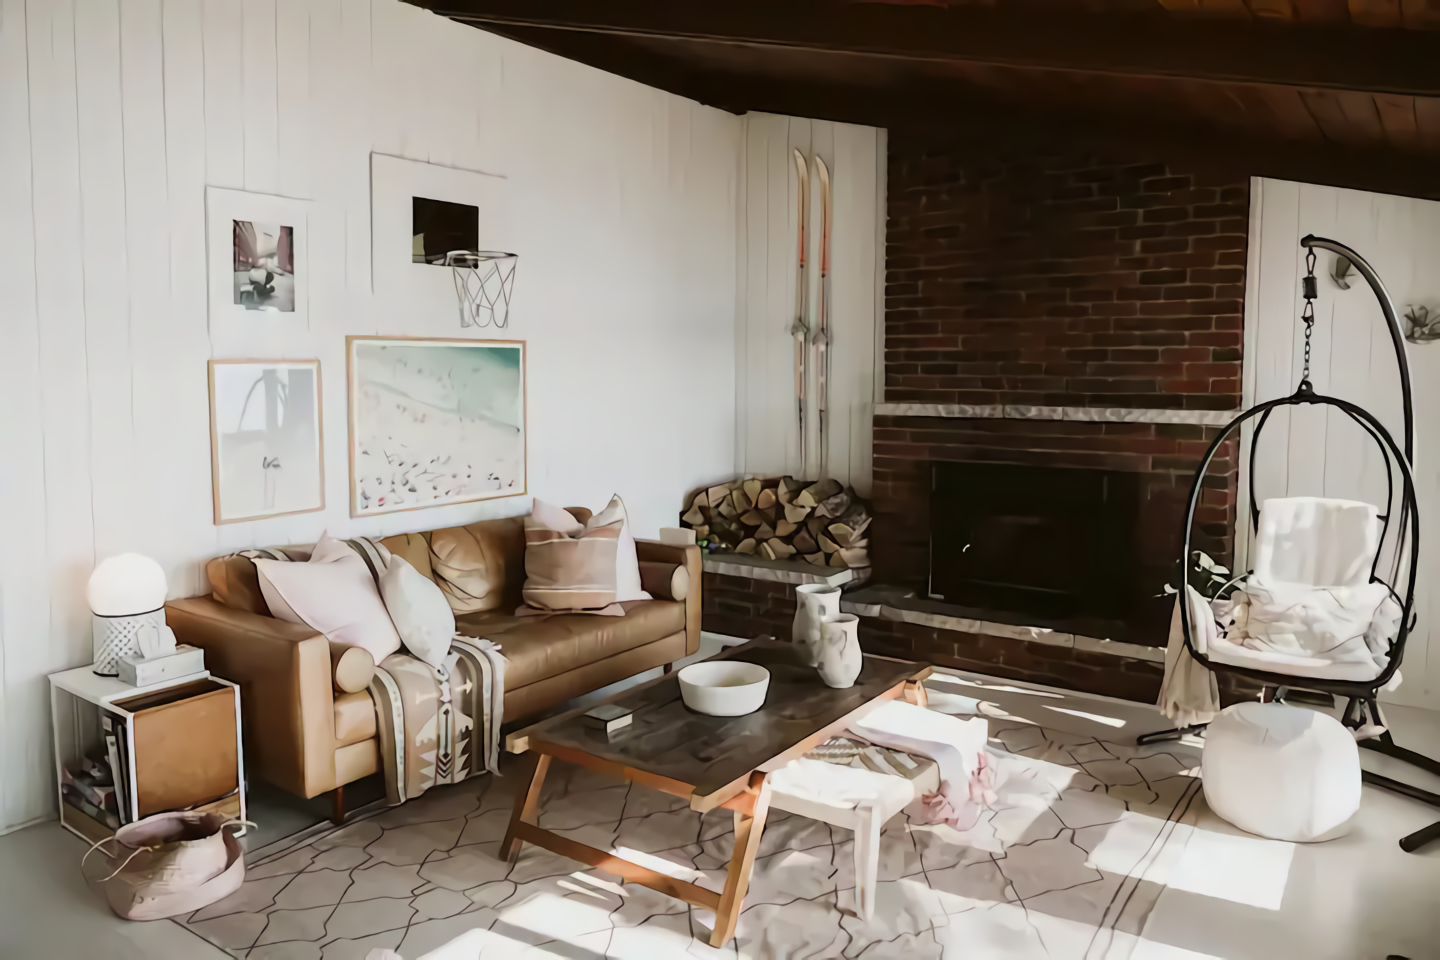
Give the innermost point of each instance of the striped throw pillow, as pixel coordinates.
(570, 572)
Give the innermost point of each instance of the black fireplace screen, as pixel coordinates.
(1038, 542)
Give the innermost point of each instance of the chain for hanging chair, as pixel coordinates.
(1311, 290)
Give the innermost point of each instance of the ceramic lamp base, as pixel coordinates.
(115, 637)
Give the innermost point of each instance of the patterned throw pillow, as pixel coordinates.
(570, 572)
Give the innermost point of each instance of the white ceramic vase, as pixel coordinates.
(814, 604)
(840, 660)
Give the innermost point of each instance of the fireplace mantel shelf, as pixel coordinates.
(892, 603)
(1013, 411)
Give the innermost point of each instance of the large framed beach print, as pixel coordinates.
(265, 438)
(434, 421)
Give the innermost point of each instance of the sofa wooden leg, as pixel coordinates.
(668, 668)
(337, 805)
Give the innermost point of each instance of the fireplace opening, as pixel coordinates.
(1046, 546)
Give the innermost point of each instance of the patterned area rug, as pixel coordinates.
(1067, 864)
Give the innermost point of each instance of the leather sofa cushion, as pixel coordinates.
(354, 718)
(665, 581)
(480, 567)
(538, 648)
(414, 547)
(235, 583)
(350, 667)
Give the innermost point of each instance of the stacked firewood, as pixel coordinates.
(821, 522)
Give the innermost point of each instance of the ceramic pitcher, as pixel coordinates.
(840, 660)
(814, 604)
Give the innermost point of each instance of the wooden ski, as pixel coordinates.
(822, 319)
(800, 328)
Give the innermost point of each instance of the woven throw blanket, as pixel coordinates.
(440, 725)
(435, 724)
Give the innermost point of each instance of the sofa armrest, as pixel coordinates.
(287, 698)
(689, 557)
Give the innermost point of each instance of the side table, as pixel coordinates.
(174, 738)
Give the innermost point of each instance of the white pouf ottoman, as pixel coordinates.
(1281, 772)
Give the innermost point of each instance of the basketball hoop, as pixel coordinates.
(483, 281)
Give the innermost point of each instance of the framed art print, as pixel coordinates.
(434, 421)
(266, 442)
(256, 248)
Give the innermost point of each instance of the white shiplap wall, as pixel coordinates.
(766, 438)
(1311, 451)
(114, 117)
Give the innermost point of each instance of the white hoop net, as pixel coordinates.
(483, 281)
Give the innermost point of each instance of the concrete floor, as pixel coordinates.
(1236, 897)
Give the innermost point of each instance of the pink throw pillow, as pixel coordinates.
(334, 593)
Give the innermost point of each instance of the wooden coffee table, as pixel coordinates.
(714, 762)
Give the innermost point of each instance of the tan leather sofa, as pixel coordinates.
(309, 723)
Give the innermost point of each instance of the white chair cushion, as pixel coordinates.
(844, 788)
(1223, 651)
(1281, 772)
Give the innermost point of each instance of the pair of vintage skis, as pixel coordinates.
(800, 328)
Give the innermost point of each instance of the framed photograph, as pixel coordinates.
(266, 444)
(258, 271)
(434, 421)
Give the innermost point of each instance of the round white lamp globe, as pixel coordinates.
(125, 585)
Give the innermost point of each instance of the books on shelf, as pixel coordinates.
(117, 748)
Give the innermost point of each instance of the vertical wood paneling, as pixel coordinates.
(64, 395)
(24, 573)
(114, 117)
(1320, 452)
(769, 441)
(104, 258)
(224, 87)
(260, 96)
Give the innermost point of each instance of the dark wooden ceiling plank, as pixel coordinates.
(1420, 14)
(1323, 11)
(1287, 115)
(1427, 123)
(1282, 10)
(1362, 117)
(1397, 117)
(1324, 106)
(1299, 55)
(1376, 13)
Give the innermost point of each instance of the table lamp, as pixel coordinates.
(127, 598)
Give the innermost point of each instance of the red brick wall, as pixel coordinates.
(1061, 280)
(1020, 275)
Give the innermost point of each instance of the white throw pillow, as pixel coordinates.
(627, 564)
(421, 614)
(332, 592)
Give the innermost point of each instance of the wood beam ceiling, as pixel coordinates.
(1302, 53)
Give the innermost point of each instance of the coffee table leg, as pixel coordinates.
(527, 802)
(748, 828)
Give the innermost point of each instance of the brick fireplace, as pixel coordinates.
(1055, 310)
(1052, 310)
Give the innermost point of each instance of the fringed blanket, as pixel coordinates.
(438, 725)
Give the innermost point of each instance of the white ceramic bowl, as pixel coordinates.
(724, 688)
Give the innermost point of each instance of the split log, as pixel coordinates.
(821, 522)
(781, 549)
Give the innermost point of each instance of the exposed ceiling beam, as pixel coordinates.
(1159, 45)
(956, 116)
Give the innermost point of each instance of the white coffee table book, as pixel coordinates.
(862, 800)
